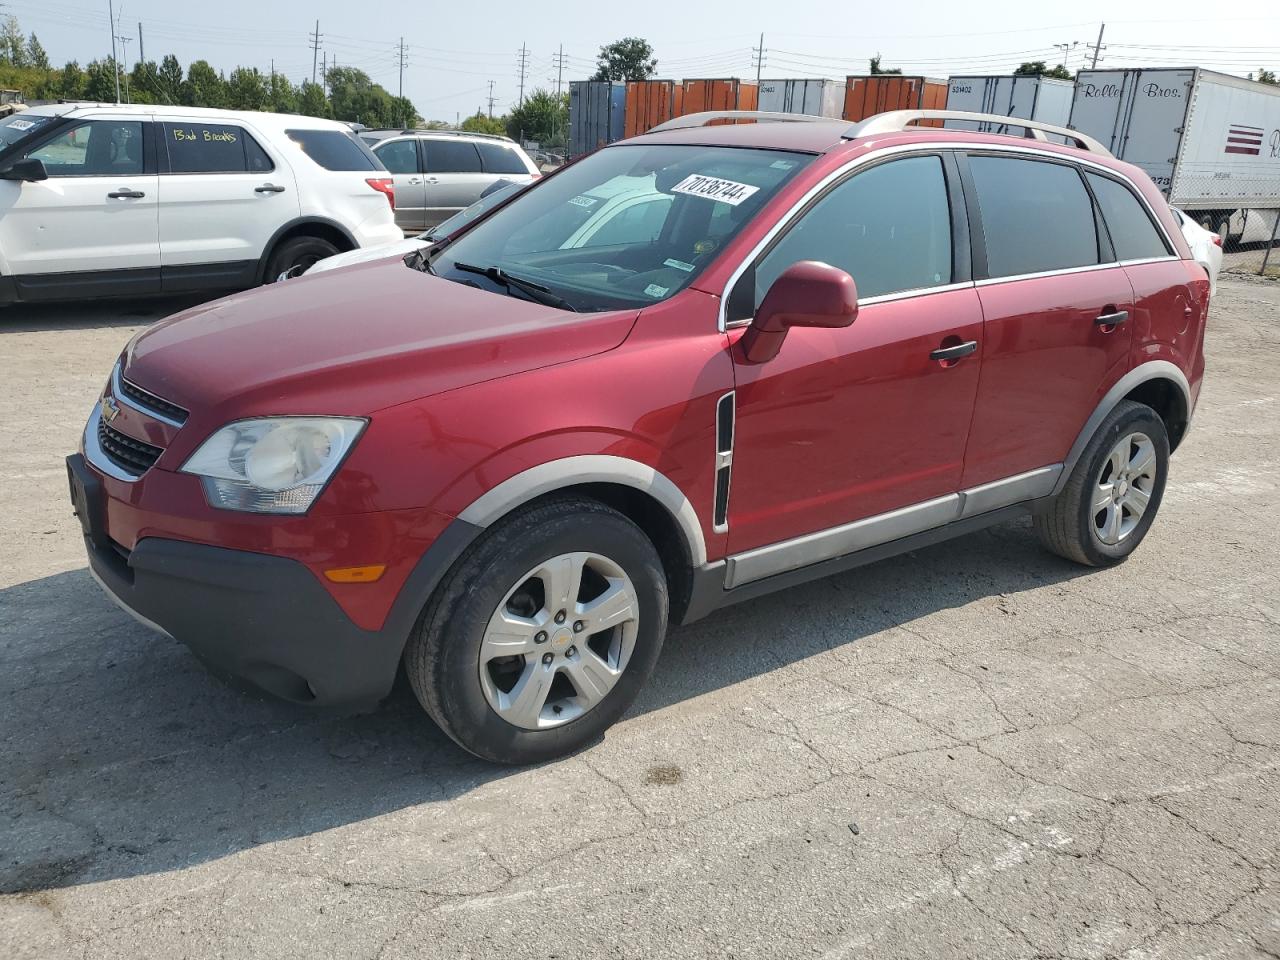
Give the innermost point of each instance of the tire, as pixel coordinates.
(296, 255)
(1070, 526)
(479, 699)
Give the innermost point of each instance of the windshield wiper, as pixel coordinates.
(420, 260)
(534, 291)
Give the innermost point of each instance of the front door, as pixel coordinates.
(402, 159)
(95, 213)
(860, 422)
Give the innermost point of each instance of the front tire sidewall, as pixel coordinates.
(298, 251)
(1136, 419)
(468, 717)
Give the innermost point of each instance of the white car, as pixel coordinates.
(99, 200)
(1206, 246)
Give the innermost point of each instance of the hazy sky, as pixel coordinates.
(454, 49)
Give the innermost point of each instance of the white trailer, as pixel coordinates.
(1046, 99)
(818, 98)
(1210, 141)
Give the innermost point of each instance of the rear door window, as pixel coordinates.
(1133, 234)
(888, 227)
(1036, 216)
(399, 156)
(212, 148)
(452, 156)
(500, 159)
(335, 150)
(95, 148)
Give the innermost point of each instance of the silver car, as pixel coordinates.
(440, 172)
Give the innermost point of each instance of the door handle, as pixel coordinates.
(432, 180)
(268, 188)
(1112, 319)
(414, 181)
(945, 354)
(125, 194)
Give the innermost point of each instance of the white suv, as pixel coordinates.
(99, 200)
(440, 172)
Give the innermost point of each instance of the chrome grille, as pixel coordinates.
(148, 402)
(132, 456)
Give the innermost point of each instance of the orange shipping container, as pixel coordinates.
(865, 96)
(731, 94)
(651, 102)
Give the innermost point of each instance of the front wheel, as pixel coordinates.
(543, 634)
(1114, 491)
(296, 256)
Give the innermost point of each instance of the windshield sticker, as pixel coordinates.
(21, 124)
(655, 291)
(583, 201)
(704, 246)
(678, 264)
(782, 164)
(713, 188)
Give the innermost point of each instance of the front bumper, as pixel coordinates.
(265, 620)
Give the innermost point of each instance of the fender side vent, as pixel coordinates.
(724, 461)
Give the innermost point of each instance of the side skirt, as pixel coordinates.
(709, 592)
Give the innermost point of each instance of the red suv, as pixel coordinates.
(694, 367)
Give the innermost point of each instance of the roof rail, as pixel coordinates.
(762, 116)
(895, 121)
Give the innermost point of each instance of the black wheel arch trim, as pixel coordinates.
(270, 248)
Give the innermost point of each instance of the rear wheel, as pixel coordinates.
(1114, 492)
(296, 256)
(543, 634)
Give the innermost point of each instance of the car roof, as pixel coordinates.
(259, 118)
(436, 134)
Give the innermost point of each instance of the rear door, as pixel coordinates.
(95, 213)
(454, 177)
(1048, 282)
(223, 194)
(857, 422)
(403, 159)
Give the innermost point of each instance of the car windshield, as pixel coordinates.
(483, 205)
(21, 125)
(625, 227)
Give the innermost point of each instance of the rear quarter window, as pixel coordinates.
(1133, 234)
(501, 159)
(335, 150)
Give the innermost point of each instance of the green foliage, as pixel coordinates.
(247, 90)
(542, 117)
(204, 86)
(36, 57)
(875, 69)
(169, 80)
(630, 58)
(1037, 68)
(312, 101)
(1267, 76)
(144, 83)
(282, 96)
(13, 45)
(484, 124)
(100, 81)
(354, 97)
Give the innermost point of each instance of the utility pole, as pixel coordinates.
(124, 51)
(315, 49)
(491, 99)
(404, 121)
(1066, 49)
(324, 72)
(142, 54)
(758, 56)
(555, 126)
(524, 69)
(1098, 47)
(115, 64)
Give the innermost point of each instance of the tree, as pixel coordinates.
(312, 102)
(100, 81)
(247, 90)
(627, 59)
(71, 83)
(483, 124)
(144, 83)
(1267, 76)
(876, 70)
(169, 81)
(36, 57)
(13, 45)
(1037, 68)
(543, 117)
(204, 86)
(282, 95)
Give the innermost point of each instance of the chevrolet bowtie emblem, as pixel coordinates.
(110, 409)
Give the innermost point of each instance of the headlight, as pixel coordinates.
(272, 465)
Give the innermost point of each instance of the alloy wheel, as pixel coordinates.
(1123, 488)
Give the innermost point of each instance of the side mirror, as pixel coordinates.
(30, 169)
(806, 294)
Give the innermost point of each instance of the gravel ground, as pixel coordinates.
(977, 750)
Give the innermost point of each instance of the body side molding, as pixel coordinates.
(1151, 370)
(593, 468)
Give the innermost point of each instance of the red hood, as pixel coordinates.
(355, 340)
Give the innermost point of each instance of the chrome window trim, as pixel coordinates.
(120, 395)
(924, 148)
(93, 453)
